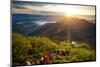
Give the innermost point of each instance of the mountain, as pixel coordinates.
(25, 23)
(24, 27)
(26, 17)
(80, 30)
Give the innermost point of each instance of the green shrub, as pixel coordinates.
(82, 54)
(83, 45)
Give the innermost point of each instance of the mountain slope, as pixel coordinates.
(80, 30)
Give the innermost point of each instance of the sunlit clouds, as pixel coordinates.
(33, 8)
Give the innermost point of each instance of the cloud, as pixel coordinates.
(39, 8)
(20, 7)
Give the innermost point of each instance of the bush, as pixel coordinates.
(82, 54)
(60, 59)
(30, 47)
(20, 46)
(83, 45)
(42, 44)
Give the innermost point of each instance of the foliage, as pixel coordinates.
(83, 45)
(82, 54)
(20, 46)
(32, 48)
(60, 59)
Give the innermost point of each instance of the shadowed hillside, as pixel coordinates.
(80, 30)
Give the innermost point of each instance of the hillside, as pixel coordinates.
(80, 29)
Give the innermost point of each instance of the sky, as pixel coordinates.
(49, 9)
(40, 8)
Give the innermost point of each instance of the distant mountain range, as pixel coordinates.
(30, 17)
(80, 29)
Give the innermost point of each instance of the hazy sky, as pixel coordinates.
(39, 8)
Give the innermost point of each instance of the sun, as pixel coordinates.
(71, 11)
